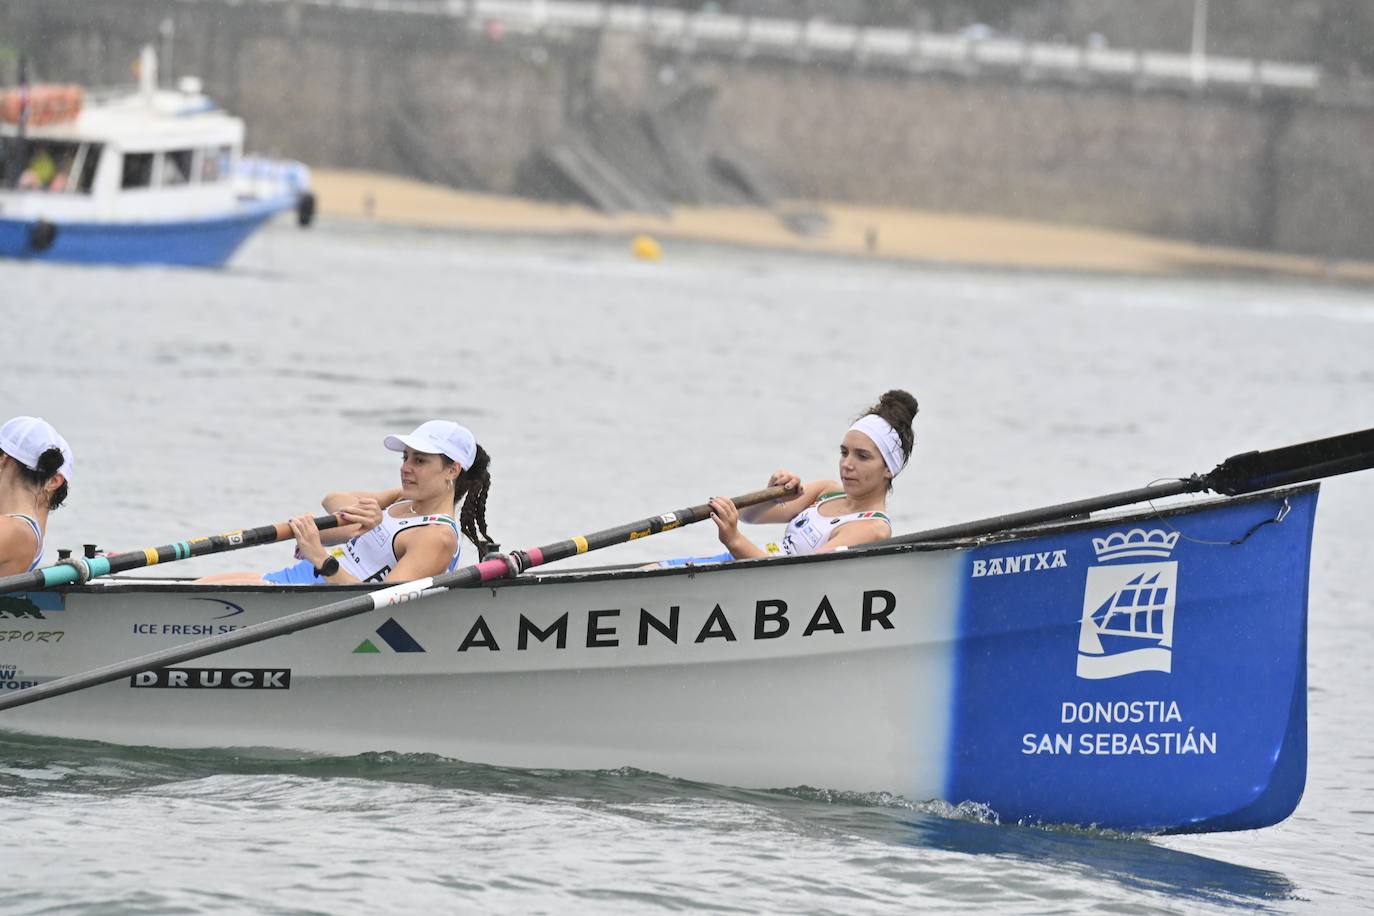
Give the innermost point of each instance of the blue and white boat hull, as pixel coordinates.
(200, 242)
(1145, 672)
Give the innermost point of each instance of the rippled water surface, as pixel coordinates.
(607, 390)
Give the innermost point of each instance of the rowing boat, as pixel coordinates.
(1140, 671)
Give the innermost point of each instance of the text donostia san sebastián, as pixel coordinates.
(1167, 737)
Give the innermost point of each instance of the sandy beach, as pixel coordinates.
(830, 228)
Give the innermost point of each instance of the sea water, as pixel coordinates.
(608, 389)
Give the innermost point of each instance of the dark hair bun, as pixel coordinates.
(898, 403)
(899, 409)
(49, 463)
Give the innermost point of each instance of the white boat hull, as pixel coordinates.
(792, 707)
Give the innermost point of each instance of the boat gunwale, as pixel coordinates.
(887, 547)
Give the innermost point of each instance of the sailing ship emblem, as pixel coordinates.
(1128, 609)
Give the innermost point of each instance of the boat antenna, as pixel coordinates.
(166, 30)
(147, 72)
(23, 94)
(14, 153)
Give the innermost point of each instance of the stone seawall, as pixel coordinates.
(1167, 165)
(455, 100)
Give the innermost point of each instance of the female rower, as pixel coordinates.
(400, 534)
(827, 515)
(35, 468)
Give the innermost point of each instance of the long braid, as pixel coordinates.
(472, 488)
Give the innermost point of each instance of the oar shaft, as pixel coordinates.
(67, 574)
(257, 632)
(1252, 471)
(1244, 473)
(1049, 513)
(527, 559)
(468, 576)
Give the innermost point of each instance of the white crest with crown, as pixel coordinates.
(1135, 543)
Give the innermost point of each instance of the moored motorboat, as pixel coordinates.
(1143, 671)
(134, 177)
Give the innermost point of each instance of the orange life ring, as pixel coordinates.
(48, 104)
(9, 106)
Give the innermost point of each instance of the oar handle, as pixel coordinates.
(465, 577)
(82, 569)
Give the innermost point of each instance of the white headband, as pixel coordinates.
(886, 438)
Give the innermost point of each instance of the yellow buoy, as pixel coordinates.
(646, 248)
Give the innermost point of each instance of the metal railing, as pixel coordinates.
(820, 40)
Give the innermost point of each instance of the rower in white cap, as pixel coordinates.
(36, 467)
(401, 534)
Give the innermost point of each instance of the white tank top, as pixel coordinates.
(810, 530)
(38, 536)
(372, 555)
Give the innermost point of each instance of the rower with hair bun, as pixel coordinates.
(35, 468)
(826, 515)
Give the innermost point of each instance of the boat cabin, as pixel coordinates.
(144, 156)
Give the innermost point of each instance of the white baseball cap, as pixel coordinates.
(25, 439)
(438, 437)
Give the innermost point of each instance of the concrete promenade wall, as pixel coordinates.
(449, 99)
(1152, 163)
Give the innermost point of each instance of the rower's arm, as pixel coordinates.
(855, 533)
(423, 551)
(17, 546)
(343, 499)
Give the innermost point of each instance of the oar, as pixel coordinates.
(465, 577)
(1248, 472)
(83, 569)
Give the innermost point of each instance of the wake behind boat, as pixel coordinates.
(134, 177)
(1144, 671)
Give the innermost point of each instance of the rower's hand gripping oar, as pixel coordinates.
(1248, 472)
(78, 570)
(485, 571)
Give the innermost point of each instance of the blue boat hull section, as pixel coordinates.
(1151, 677)
(185, 243)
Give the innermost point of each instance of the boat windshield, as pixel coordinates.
(54, 166)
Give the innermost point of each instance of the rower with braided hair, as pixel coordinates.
(401, 534)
